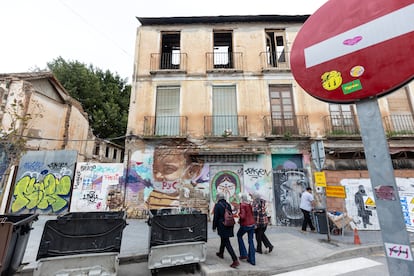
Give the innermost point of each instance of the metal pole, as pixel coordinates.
(393, 229)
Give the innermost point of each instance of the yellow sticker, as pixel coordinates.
(331, 80)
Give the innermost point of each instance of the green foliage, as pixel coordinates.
(103, 95)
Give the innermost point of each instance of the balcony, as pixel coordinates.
(273, 61)
(341, 126)
(287, 127)
(226, 126)
(165, 126)
(224, 62)
(399, 125)
(168, 63)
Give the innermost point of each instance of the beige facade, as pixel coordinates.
(220, 91)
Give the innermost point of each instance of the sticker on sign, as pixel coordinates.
(351, 50)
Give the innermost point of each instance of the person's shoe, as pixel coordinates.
(259, 251)
(313, 230)
(270, 249)
(303, 231)
(220, 255)
(235, 264)
(250, 262)
(243, 258)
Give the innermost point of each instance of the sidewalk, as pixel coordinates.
(292, 248)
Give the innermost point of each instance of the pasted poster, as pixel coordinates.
(43, 182)
(95, 185)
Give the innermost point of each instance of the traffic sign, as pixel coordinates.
(320, 179)
(335, 191)
(318, 154)
(352, 50)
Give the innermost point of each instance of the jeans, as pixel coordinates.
(225, 243)
(242, 248)
(262, 238)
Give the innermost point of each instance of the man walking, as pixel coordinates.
(306, 205)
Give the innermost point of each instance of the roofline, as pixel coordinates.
(147, 21)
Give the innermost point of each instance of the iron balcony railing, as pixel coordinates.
(337, 125)
(287, 126)
(232, 61)
(165, 126)
(168, 62)
(274, 60)
(399, 125)
(225, 126)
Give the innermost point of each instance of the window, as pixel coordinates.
(107, 152)
(343, 118)
(115, 152)
(276, 48)
(282, 111)
(223, 46)
(401, 115)
(170, 51)
(225, 110)
(167, 113)
(97, 149)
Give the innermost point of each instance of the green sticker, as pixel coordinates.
(352, 86)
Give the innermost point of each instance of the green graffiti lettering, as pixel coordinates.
(30, 194)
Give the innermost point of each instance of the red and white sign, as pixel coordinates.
(352, 50)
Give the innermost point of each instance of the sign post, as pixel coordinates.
(347, 60)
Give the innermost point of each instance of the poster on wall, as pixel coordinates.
(94, 186)
(43, 182)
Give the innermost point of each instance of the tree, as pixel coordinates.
(103, 95)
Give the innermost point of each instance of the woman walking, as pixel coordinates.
(260, 216)
(247, 225)
(225, 232)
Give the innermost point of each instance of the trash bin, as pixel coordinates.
(319, 219)
(82, 233)
(14, 233)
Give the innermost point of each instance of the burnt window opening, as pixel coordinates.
(107, 152)
(275, 48)
(170, 51)
(223, 47)
(97, 149)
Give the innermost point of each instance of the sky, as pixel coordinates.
(102, 32)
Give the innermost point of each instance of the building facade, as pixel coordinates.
(215, 108)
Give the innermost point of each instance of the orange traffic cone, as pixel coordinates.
(356, 236)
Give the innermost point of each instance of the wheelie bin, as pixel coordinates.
(14, 235)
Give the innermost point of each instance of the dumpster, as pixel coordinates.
(99, 215)
(14, 233)
(177, 239)
(319, 220)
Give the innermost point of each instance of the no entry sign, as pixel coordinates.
(352, 50)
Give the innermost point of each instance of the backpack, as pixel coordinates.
(228, 217)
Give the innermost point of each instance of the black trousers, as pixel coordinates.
(307, 220)
(225, 243)
(262, 238)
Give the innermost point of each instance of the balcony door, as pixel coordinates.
(282, 111)
(401, 113)
(342, 118)
(170, 51)
(167, 111)
(224, 110)
(275, 48)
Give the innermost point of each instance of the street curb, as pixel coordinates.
(139, 258)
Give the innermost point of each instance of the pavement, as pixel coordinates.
(292, 249)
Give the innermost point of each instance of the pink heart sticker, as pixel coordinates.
(352, 41)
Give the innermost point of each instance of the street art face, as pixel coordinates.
(43, 182)
(228, 183)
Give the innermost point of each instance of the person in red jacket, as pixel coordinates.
(247, 225)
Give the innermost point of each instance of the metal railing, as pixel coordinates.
(165, 126)
(399, 125)
(336, 125)
(168, 61)
(296, 125)
(274, 60)
(225, 126)
(224, 61)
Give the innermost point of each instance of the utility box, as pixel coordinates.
(319, 219)
(14, 235)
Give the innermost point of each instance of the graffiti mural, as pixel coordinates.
(43, 182)
(360, 202)
(227, 179)
(4, 163)
(96, 187)
(166, 177)
(290, 180)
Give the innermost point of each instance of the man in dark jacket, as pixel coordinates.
(225, 232)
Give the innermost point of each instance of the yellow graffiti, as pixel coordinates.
(331, 80)
(30, 194)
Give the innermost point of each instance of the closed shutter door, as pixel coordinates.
(224, 110)
(167, 111)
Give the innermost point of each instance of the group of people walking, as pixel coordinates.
(253, 220)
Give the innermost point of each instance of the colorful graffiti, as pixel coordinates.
(31, 194)
(97, 187)
(43, 182)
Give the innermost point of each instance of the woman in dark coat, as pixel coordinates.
(225, 232)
